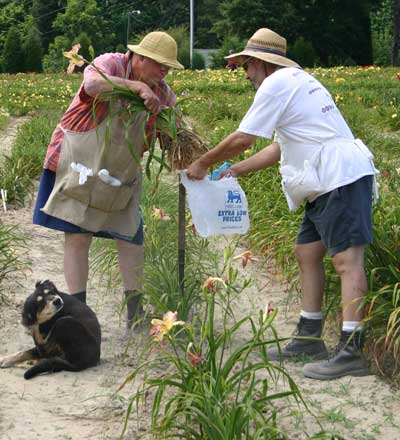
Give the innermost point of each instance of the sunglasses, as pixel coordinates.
(246, 63)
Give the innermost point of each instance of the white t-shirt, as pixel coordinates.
(310, 130)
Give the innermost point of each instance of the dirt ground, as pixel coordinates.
(86, 405)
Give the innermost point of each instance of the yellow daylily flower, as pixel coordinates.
(74, 58)
(162, 327)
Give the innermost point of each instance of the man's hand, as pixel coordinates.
(229, 172)
(151, 101)
(197, 171)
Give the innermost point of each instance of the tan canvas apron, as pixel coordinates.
(95, 205)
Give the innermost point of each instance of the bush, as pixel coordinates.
(303, 53)
(55, 61)
(232, 42)
(13, 56)
(121, 48)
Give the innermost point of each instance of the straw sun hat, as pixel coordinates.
(265, 45)
(160, 47)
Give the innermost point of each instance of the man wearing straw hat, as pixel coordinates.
(322, 165)
(79, 199)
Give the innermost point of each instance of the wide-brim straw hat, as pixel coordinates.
(160, 47)
(265, 45)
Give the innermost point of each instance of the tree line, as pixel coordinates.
(33, 33)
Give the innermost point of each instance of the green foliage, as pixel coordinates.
(33, 51)
(81, 16)
(13, 54)
(217, 385)
(11, 245)
(55, 61)
(26, 159)
(382, 33)
(303, 52)
(230, 42)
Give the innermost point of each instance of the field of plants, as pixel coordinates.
(215, 101)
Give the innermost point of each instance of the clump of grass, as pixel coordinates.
(25, 161)
(11, 243)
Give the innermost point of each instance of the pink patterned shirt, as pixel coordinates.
(79, 115)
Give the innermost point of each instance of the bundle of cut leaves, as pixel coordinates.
(180, 145)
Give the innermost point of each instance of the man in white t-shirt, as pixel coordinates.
(323, 165)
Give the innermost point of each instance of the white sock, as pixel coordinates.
(350, 326)
(311, 315)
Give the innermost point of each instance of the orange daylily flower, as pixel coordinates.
(245, 257)
(162, 327)
(195, 359)
(210, 283)
(159, 214)
(74, 58)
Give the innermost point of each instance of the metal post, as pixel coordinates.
(181, 236)
(127, 28)
(191, 31)
(129, 22)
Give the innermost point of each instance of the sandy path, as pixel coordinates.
(85, 406)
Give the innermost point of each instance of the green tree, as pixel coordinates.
(13, 55)
(54, 60)
(382, 32)
(82, 16)
(44, 13)
(33, 51)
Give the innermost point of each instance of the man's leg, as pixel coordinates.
(312, 277)
(76, 263)
(348, 360)
(131, 263)
(349, 265)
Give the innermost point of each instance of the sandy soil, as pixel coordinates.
(86, 405)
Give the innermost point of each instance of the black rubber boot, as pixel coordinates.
(347, 360)
(81, 296)
(299, 348)
(134, 309)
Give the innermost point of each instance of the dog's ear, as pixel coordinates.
(47, 287)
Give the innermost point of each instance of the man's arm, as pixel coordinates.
(95, 84)
(229, 147)
(267, 157)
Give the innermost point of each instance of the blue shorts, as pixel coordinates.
(40, 218)
(341, 218)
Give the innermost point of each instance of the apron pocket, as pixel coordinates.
(110, 198)
(71, 188)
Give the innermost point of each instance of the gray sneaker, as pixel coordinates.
(308, 345)
(347, 360)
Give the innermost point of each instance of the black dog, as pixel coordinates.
(66, 332)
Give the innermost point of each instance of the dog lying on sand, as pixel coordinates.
(66, 333)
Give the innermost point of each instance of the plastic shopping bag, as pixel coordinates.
(217, 207)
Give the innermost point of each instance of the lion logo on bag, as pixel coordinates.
(233, 196)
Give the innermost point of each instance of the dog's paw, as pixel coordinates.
(7, 361)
